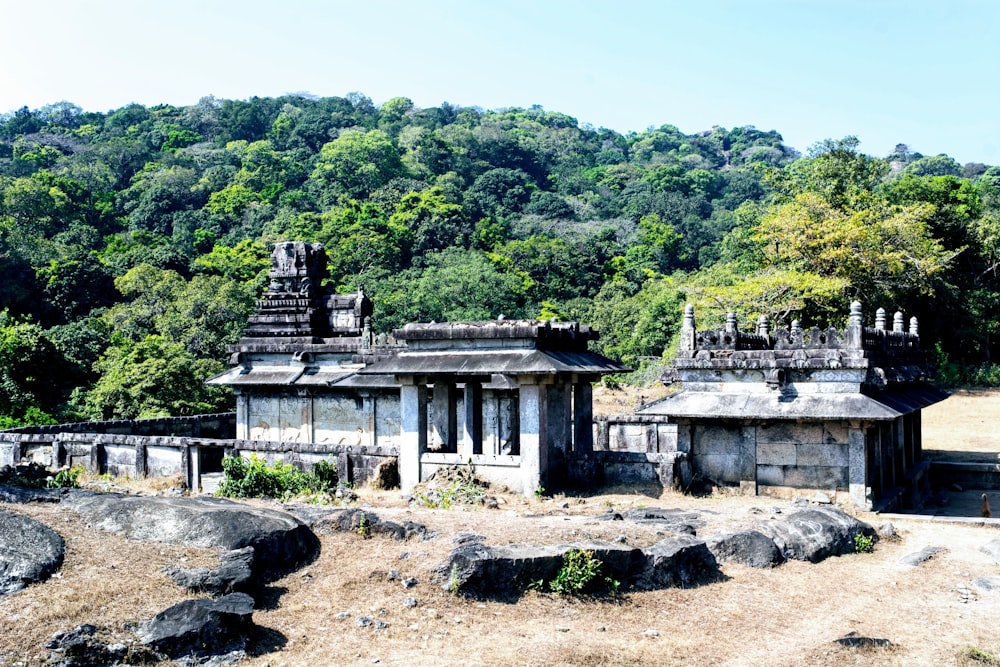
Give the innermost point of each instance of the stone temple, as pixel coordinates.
(829, 409)
(511, 398)
(764, 411)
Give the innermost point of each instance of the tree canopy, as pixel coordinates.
(133, 243)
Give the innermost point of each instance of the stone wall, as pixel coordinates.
(221, 426)
(164, 456)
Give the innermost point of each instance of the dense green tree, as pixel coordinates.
(153, 378)
(355, 164)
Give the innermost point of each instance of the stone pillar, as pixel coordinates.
(533, 437)
(444, 429)
(194, 461)
(368, 437)
(472, 424)
(900, 464)
(583, 418)
(560, 416)
(880, 319)
(857, 475)
(413, 433)
(897, 322)
(748, 459)
(242, 415)
(141, 465)
(306, 431)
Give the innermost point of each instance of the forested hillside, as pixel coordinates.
(133, 243)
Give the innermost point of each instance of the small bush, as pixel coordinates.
(254, 478)
(863, 544)
(66, 479)
(580, 573)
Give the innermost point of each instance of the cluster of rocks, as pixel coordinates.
(682, 560)
(260, 545)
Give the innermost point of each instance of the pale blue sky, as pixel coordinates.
(925, 73)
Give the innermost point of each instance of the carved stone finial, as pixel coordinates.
(855, 318)
(687, 329)
(762, 325)
(366, 331)
(853, 337)
(880, 319)
(913, 327)
(730, 322)
(689, 315)
(796, 327)
(897, 322)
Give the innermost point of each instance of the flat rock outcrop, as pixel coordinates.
(19, 495)
(365, 523)
(499, 571)
(281, 542)
(503, 571)
(683, 561)
(29, 551)
(816, 533)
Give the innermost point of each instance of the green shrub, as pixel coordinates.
(254, 478)
(864, 544)
(66, 479)
(580, 573)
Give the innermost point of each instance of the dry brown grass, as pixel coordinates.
(787, 616)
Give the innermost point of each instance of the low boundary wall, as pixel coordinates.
(193, 446)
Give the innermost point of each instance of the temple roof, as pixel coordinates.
(494, 361)
(884, 406)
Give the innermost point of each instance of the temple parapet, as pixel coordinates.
(886, 356)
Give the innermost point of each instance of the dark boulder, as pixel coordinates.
(749, 547)
(200, 627)
(676, 562)
(29, 551)
(367, 524)
(504, 571)
(816, 533)
(80, 647)
(281, 542)
(234, 574)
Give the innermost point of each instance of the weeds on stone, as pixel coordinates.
(456, 485)
(581, 573)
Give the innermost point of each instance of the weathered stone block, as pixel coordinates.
(776, 454)
(822, 455)
(709, 440)
(666, 438)
(721, 468)
(804, 477)
(791, 432)
(771, 475)
(835, 434)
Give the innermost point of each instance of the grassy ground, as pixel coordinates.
(790, 615)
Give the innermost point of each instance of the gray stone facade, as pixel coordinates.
(836, 410)
(513, 398)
